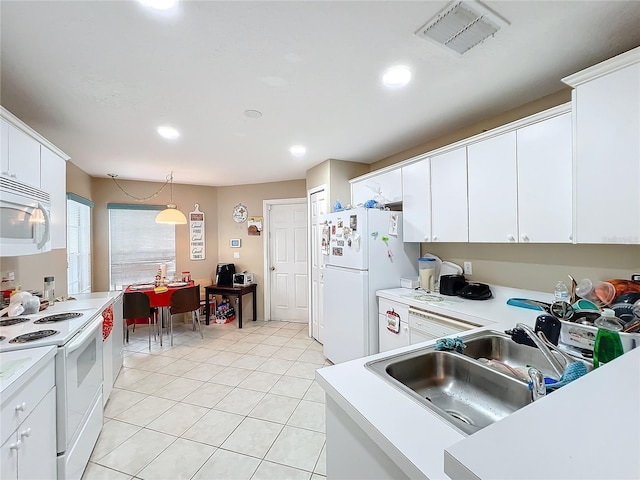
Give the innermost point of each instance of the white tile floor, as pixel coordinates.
(240, 404)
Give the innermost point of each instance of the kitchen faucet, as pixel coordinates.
(546, 351)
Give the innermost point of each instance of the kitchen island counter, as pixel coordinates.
(395, 429)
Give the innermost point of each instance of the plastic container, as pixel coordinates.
(427, 270)
(608, 345)
(8, 285)
(561, 293)
(49, 292)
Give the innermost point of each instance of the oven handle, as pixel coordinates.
(84, 334)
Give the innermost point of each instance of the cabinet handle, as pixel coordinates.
(25, 433)
(435, 238)
(13, 175)
(15, 446)
(21, 407)
(525, 238)
(426, 238)
(511, 238)
(570, 237)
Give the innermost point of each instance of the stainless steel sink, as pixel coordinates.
(498, 346)
(462, 391)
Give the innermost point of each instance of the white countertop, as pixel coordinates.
(18, 367)
(417, 439)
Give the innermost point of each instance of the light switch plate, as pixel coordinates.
(468, 269)
(236, 254)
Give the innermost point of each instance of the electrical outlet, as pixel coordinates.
(236, 254)
(468, 269)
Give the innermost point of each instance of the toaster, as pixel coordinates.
(451, 284)
(243, 278)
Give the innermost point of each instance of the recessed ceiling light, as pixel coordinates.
(159, 4)
(298, 150)
(396, 77)
(168, 132)
(252, 113)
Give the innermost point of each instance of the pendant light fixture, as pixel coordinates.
(171, 214)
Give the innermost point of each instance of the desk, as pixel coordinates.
(234, 291)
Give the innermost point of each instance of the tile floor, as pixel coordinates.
(240, 404)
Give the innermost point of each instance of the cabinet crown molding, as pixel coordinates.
(20, 125)
(604, 68)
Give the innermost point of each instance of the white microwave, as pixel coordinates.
(25, 219)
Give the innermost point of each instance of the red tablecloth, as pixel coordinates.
(157, 300)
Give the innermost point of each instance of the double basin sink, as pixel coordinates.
(470, 390)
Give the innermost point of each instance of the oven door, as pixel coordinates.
(79, 379)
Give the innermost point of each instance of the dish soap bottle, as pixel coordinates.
(607, 345)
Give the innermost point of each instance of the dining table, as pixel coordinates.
(159, 297)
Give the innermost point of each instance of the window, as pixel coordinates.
(138, 245)
(78, 244)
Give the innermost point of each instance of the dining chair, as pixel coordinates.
(136, 305)
(186, 300)
(203, 282)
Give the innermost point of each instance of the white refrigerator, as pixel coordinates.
(363, 252)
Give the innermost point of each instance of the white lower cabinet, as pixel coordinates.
(389, 339)
(29, 449)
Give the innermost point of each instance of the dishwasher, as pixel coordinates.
(425, 325)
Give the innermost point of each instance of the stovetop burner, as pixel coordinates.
(58, 317)
(31, 336)
(7, 322)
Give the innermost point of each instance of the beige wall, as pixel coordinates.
(30, 270)
(78, 181)
(335, 176)
(251, 250)
(539, 267)
(105, 191)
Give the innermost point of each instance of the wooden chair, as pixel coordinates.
(186, 300)
(203, 282)
(136, 305)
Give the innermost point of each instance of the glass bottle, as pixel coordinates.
(49, 292)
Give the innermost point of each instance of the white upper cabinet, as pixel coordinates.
(492, 181)
(607, 150)
(416, 202)
(54, 181)
(4, 147)
(544, 181)
(449, 214)
(388, 184)
(20, 156)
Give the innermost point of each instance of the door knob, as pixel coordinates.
(273, 268)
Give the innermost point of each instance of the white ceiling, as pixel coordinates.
(98, 77)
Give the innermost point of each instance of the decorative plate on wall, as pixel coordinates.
(240, 213)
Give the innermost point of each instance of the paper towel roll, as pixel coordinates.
(163, 270)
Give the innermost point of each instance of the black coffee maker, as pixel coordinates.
(224, 274)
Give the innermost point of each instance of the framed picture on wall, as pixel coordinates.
(234, 243)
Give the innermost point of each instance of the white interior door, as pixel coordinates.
(288, 262)
(317, 207)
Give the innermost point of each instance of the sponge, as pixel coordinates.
(448, 344)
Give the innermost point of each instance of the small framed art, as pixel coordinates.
(234, 243)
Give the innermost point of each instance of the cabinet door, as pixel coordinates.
(493, 189)
(118, 337)
(545, 181)
(9, 458)
(54, 181)
(24, 157)
(387, 185)
(449, 211)
(416, 202)
(4, 148)
(38, 453)
(607, 170)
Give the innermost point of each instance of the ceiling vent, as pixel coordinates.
(462, 25)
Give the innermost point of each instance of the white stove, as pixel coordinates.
(75, 328)
(61, 325)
